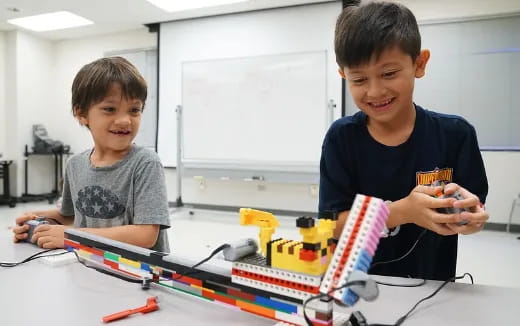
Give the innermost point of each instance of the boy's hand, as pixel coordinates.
(49, 236)
(474, 214)
(20, 230)
(420, 208)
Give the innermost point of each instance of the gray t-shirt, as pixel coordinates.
(132, 191)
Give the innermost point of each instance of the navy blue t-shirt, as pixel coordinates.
(441, 147)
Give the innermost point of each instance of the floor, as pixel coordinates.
(493, 258)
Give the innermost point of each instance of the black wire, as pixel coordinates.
(32, 257)
(191, 270)
(402, 257)
(323, 295)
(405, 316)
(415, 285)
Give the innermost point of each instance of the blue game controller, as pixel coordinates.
(32, 225)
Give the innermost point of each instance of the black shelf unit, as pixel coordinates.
(6, 198)
(58, 174)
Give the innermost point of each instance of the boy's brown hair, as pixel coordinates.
(365, 31)
(93, 81)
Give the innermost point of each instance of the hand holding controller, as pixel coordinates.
(32, 225)
(449, 210)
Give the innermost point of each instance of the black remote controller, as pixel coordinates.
(450, 210)
(32, 225)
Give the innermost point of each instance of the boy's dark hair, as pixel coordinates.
(365, 31)
(93, 81)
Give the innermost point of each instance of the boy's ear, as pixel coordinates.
(420, 63)
(77, 114)
(341, 72)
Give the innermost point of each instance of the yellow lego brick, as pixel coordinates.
(84, 254)
(129, 262)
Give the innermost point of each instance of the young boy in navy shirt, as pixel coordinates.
(394, 149)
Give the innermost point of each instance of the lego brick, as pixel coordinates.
(292, 319)
(110, 256)
(277, 305)
(323, 316)
(256, 309)
(129, 262)
(241, 294)
(275, 281)
(219, 297)
(323, 252)
(271, 288)
(311, 246)
(305, 222)
(279, 273)
(183, 288)
(308, 255)
(357, 244)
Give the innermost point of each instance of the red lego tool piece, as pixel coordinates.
(151, 305)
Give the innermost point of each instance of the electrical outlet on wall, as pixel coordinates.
(201, 181)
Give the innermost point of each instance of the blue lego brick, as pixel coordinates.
(145, 267)
(281, 306)
(350, 298)
(364, 261)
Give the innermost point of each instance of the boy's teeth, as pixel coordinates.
(381, 103)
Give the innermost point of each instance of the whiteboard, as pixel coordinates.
(266, 110)
(294, 30)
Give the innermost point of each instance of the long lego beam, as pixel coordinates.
(356, 246)
(211, 281)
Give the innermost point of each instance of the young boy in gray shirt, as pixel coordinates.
(117, 189)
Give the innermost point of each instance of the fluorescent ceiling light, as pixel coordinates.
(181, 5)
(51, 21)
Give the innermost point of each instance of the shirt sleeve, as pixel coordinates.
(150, 199)
(470, 172)
(336, 184)
(67, 204)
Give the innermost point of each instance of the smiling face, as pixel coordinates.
(383, 87)
(114, 121)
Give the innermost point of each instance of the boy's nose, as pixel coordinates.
(123, 120)
(375, 88)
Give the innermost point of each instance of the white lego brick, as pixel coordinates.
(326, 284)
(293, 319)
(271, 288)
(280, 274)
(369, 225)
(359, 244)
(321, 306)
(63, 259)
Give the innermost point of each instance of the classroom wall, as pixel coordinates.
(29, 64)
(40, 74)
(2, 93)
(501, 167)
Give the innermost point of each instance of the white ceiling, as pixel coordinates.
(112, 16)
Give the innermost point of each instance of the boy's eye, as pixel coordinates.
(109, 109)
(389, 74)
(358, 81)
(136, 110)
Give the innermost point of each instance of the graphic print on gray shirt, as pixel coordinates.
(131, 191)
